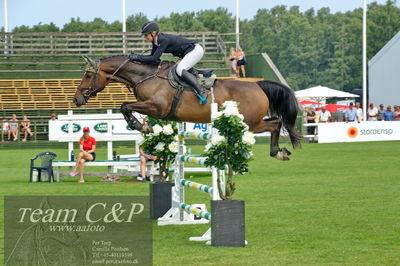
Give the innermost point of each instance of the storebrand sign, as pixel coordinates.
(364, 131)
(77, 231)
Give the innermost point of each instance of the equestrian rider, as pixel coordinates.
(188, 50)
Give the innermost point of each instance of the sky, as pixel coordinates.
(32, 12)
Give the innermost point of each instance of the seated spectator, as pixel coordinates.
(372, 113)
(388, 114)
(324, 115)
(87, 145)
(396, 113)
(351, 114)
(13, 123)
(26, 124)
(380, 112)
(144, 157)
(53, 117)
(5, 129)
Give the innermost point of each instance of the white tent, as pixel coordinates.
(322, 93)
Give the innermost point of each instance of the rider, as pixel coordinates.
(188, 50)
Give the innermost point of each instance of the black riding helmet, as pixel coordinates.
(148, 27)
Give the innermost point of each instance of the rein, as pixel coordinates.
(151, 76)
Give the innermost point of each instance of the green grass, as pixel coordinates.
(331, 204)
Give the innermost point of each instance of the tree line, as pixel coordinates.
(314, 47)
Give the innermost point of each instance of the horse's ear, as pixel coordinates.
(90, 63)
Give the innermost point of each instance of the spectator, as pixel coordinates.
(26, 124)
(324, 115)
(372, 113)
(144, 157)
(380, 112)
(87, 145)
(396, 114)
(351, 114)
(241, 62)
(233, 62)
(388, 114)
(53, 117)
(360, 116)
(5, 129)
(13, 128)
(310, 120)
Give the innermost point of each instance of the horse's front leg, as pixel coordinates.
(126, 109)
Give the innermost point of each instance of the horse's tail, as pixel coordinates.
(283, 103)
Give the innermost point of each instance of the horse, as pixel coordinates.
(266, 105)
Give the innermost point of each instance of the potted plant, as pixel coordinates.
(230, 150)
(162, 143)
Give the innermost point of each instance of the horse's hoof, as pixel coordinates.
(281, 156)
(146, 129)
(286, 151)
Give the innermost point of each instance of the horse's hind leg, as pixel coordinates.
(274, 125)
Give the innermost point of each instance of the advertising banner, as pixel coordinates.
(355, 132)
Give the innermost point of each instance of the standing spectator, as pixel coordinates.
(388, 114)
(380, 112)
(324, 115)
(372, 113)
(233, 61)
(310, 120)
(87, 145)
(53, 117)
(396, 114)
(351, 114)
(241, 57)
(360, 116)
(26, 124)
(5, 129)
(13, 128)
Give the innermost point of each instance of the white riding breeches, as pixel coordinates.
(190, 59)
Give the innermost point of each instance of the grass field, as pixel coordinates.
(331, 204)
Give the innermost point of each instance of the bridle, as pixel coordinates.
(91, 91)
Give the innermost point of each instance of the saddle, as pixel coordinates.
(205, 78)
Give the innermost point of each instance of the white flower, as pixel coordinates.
(231, 111)
(217, 139)
(227, 104)
(176, 138)
(160, 146)
(168, 130)
(249, 154)
(157, 129)
(207, 148)
(173, 146)
(140, 140)
(240, 116)
(246, 127)
(248, 138)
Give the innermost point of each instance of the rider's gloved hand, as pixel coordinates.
(133, 57)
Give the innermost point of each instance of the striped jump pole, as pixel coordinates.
(192, 159)
(194, 135)
(197, 186)
(196, 211)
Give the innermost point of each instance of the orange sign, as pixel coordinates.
(352, 132)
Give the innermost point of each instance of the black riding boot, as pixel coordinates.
(192, 80)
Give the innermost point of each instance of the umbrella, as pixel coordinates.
(305, 102)
(320, 92)
(334, 107)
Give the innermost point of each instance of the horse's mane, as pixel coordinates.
(164, 64)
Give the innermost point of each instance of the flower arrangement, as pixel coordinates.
(231, 147)
(162, 143)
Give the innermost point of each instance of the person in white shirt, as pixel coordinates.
(324, 115)
(5, 129)
(372, 113)
(359, 112)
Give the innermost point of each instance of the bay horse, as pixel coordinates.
(154, 97)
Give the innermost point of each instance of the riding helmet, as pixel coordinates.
(148, 27)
